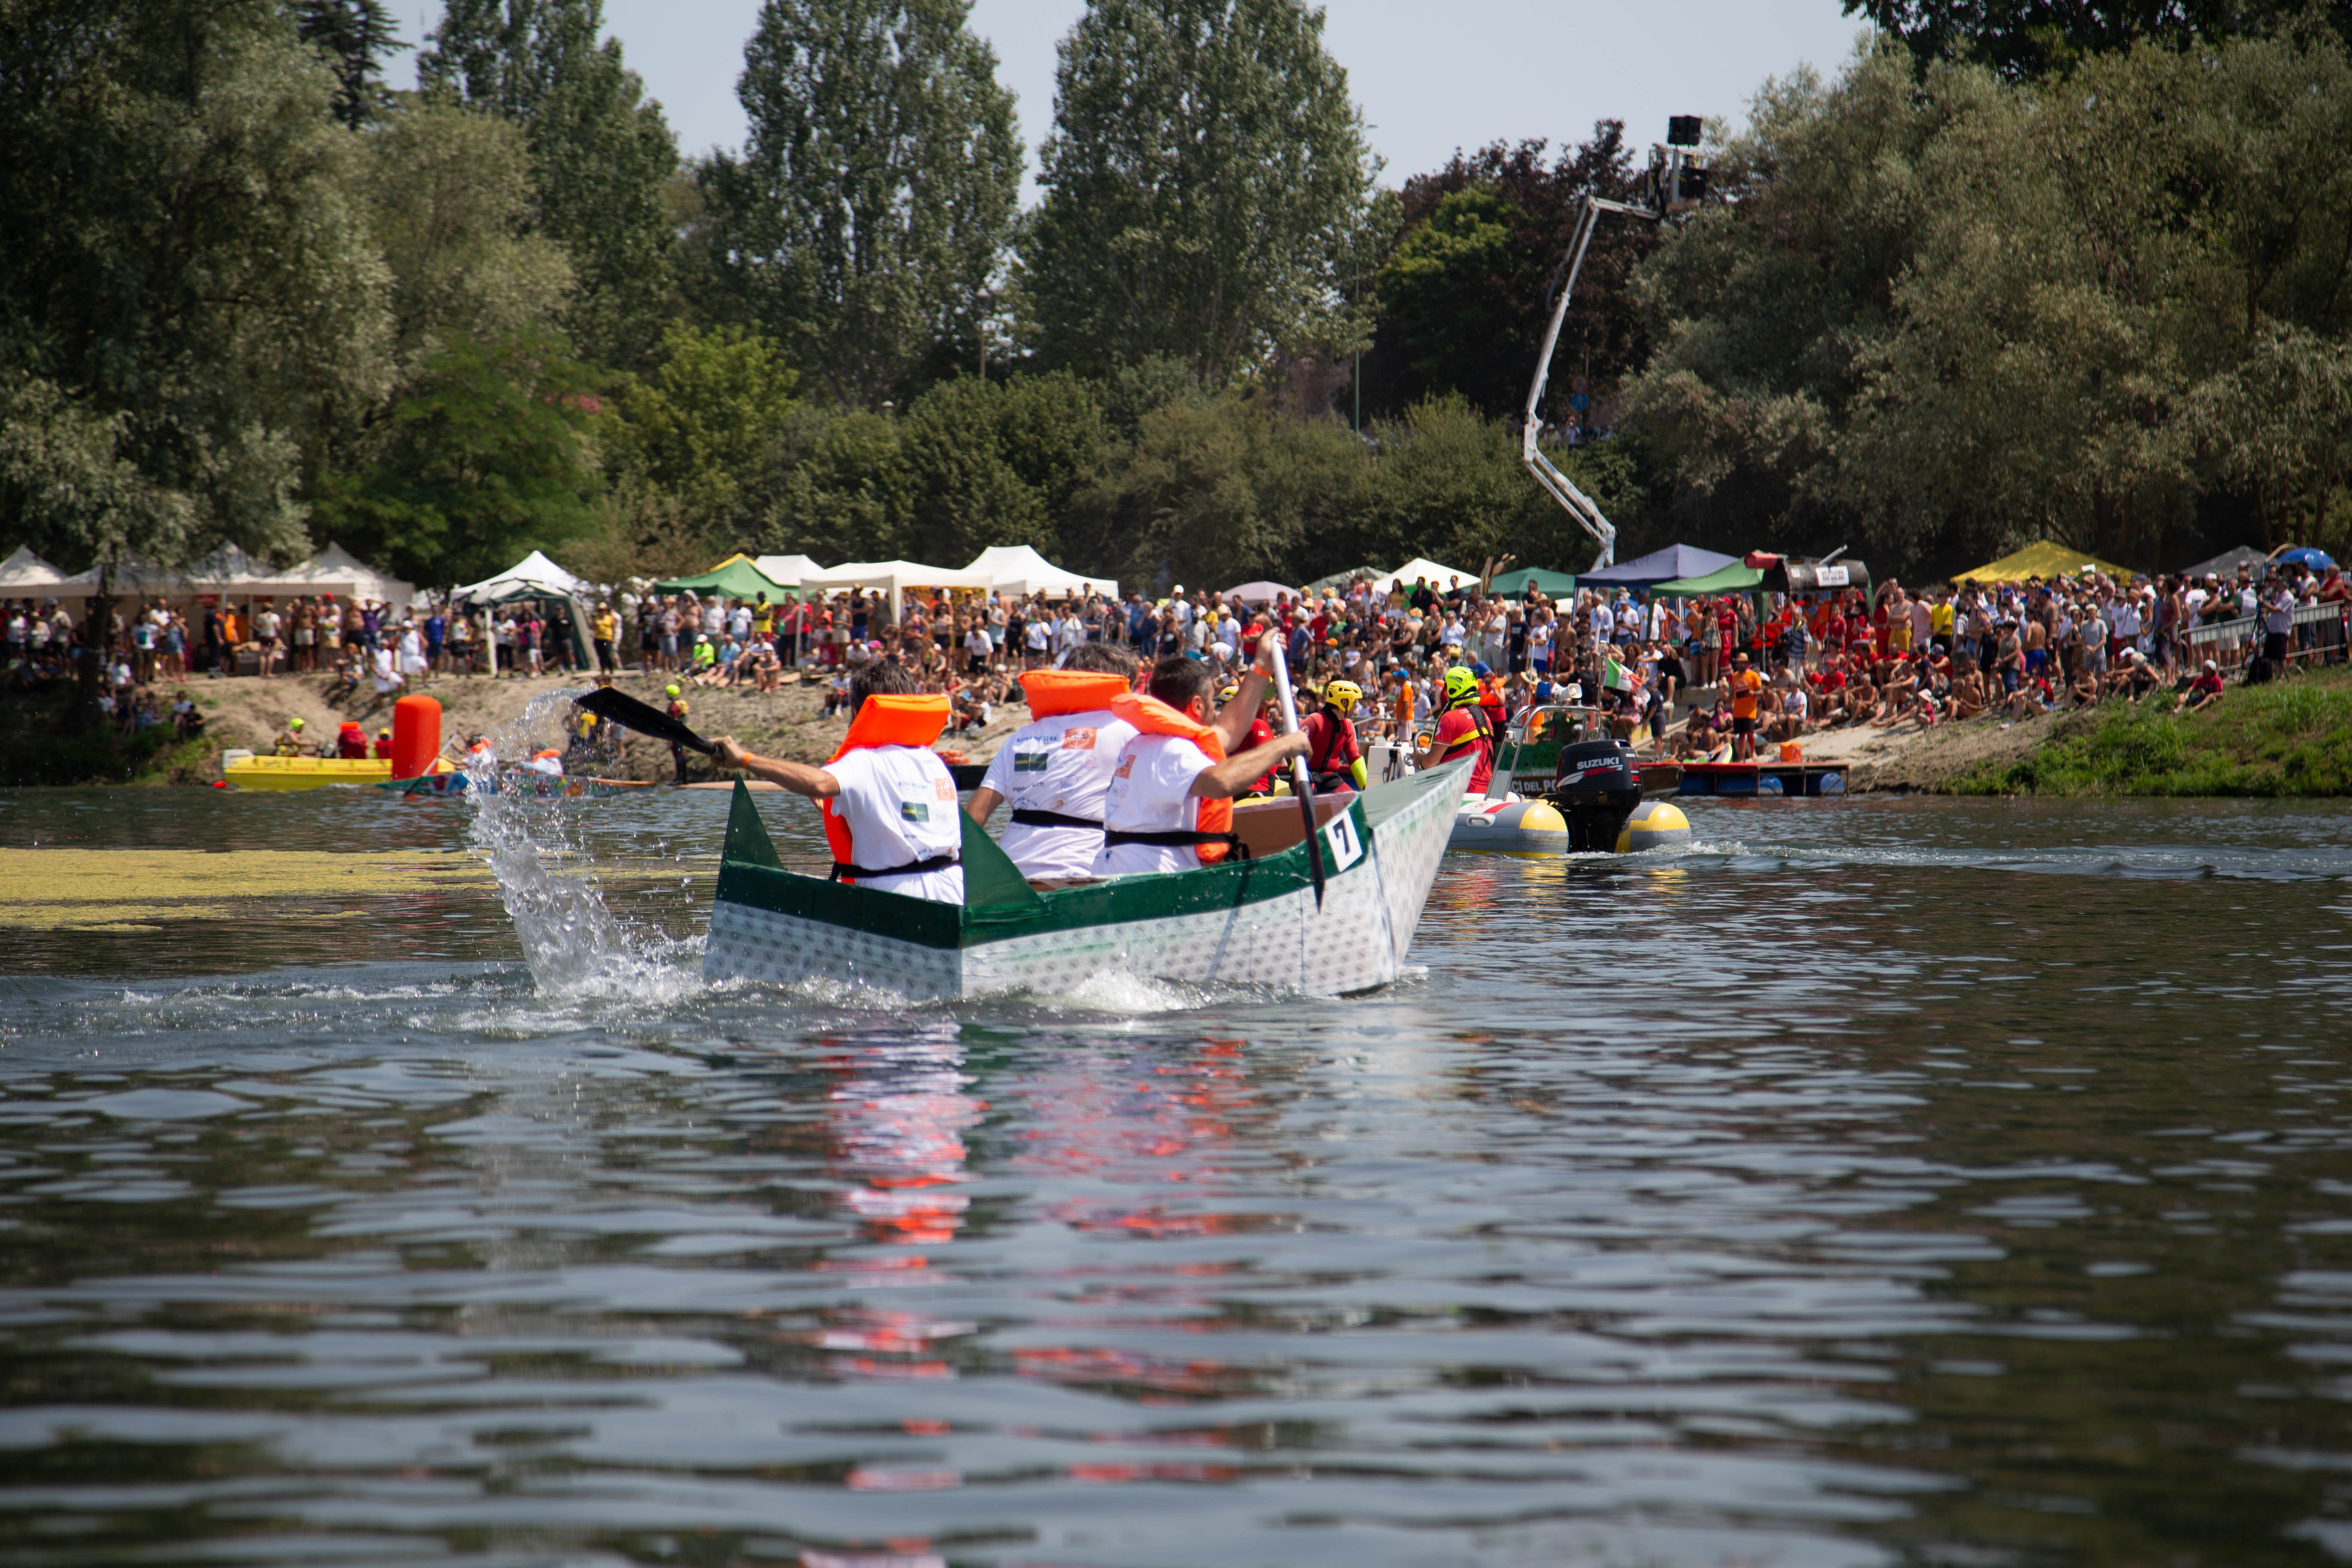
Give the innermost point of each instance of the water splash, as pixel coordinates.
(574, 944)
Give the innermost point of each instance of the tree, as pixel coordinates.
(601, 153)
(357, 36)
(488, 456)
(1448, 484)
(1203, 189)
(997, 462)
(845, 492)
(704, 424)
(449, 193)
(190, 292)
(1463, 291)
(1219, 491)
(871, 205)
(2026, 38)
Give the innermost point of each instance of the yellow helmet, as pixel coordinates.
(1342, 694)
(1460, 686)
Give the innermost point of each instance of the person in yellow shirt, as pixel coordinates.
(1940, 622)
(606, 630)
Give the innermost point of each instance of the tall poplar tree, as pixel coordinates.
(872, 202)
(601, 152)
(1204, 184)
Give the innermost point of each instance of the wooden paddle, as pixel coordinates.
(1298, 784)
(620, 708)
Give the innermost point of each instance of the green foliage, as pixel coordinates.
(448, 192)
(1465, 290)
(2021, 38)
(2290, 738)
(601, 153)
(356, 36)
(42, 742)
(1963, 314)
(1204, 186)
(872, 203)
(1220, 491)
(845, 492)
(997, 462)
(704, 425)
(189, 293)
(487, 457)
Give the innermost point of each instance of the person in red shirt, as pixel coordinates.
(1462, 731)
(383, 745)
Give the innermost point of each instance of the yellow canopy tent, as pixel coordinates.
(2043, 560)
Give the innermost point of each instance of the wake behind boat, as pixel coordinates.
(1246, 921)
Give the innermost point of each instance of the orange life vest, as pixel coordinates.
(1052, 691)
(882, 720)
(1153, 717)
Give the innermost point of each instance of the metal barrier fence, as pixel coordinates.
(2317, 633)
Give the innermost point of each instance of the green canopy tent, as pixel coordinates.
(1737, 578)
(735, 578)
(1551, 585)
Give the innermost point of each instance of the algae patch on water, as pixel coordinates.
(132, 890)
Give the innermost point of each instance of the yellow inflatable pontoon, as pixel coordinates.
(308, 773)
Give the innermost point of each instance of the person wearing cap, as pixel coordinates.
(2203, 691)
(383, 753)
(289, 739)
(676, 711)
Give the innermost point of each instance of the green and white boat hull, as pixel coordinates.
(1249, 923)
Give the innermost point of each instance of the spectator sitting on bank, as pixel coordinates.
(2203, 691)
(2135, 679)
(185, 718)
(2083, 691)
(2033, 697)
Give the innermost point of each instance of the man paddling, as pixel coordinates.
(1169, 805)
(888, 801)
(1055, 768)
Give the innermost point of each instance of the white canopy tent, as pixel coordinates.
(787, 571)
(25, 570)
(893, 578)
(1439, 577)
(229, 575)
(337, 571)
(533, 576)
(1018, 569)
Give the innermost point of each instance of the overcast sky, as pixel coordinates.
(1430, 77)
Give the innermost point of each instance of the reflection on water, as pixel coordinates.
(1891, 1181)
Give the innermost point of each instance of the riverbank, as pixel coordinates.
(248, 713)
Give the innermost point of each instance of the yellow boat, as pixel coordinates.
(308, 773)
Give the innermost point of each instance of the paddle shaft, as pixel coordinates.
(620, 708)
(1299, 780)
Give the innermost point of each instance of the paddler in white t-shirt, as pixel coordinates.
(1055, 768)
(890, 802)
(1168, 804)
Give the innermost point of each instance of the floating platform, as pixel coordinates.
(1766, 779)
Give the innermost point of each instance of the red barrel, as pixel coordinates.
(415, 736)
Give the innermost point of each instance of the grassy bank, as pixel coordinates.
(2290, 738)
(41, 744)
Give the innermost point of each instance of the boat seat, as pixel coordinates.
(1269, 827)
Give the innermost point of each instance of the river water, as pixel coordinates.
(1881, 1181)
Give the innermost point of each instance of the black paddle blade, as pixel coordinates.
(620, 708)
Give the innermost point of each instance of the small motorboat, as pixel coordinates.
(1561, 784)
(310, 772)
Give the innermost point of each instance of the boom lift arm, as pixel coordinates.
(1675, 183)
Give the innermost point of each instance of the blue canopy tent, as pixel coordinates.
(1673, 562)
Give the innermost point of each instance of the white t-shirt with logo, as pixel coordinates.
(1062, 765)
(1151, 791)
(900, 805)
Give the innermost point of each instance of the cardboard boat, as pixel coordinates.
(1246, 921)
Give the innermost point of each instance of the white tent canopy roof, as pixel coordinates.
(230, 574)
(893, 575)
(336, 569)
(1019, 569)
(1421, 566)
(533, 574)
(787, 571)
(27, 570)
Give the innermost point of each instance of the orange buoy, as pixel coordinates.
(415, 736)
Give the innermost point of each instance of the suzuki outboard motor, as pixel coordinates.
(1596, 788)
